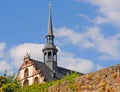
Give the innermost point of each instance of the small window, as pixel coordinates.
(36, 80)
(49, 54)
(26, 82)
(26, 73)
(26, 62)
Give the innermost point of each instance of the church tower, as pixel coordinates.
(50, 50)
(33, 72)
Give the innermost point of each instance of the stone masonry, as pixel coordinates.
(104, 80)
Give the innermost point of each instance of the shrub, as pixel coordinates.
(114, 75)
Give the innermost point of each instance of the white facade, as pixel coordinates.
(28, 74)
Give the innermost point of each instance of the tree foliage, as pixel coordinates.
(8, 83)
(3, 80)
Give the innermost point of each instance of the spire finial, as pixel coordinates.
(50, 6)
(50, 31)
(27, 56)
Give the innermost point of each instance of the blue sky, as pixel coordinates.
(87, 32)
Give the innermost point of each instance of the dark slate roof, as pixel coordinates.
(65, 71)
(42, 68)
(48, 74)
(50, 46)
(50, 30)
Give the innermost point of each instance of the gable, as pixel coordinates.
(29, 73)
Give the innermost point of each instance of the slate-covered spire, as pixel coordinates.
(50, 30)
(50, 50)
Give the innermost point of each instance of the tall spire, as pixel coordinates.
(50, 50)
(50, 30)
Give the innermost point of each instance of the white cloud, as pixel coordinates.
(85, 17)
(69, 35)
(100, 20)
(108, 47)
(109, 11)
(2, 47)
(4, 66)
(17, 53)
(14, 58)
(68, 60)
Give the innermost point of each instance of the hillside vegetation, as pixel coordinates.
(13, 86)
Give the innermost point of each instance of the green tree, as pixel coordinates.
(8, 83)
(3, 80)
(9, 87)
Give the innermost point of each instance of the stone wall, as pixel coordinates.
(104, 80)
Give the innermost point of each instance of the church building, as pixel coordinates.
(33, 71)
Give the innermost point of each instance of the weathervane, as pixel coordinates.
(50, 6)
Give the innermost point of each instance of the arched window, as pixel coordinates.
(55, 56)
(45, 57)
(26, 73)
(36, 80)
(49, 56)
(26, 82)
